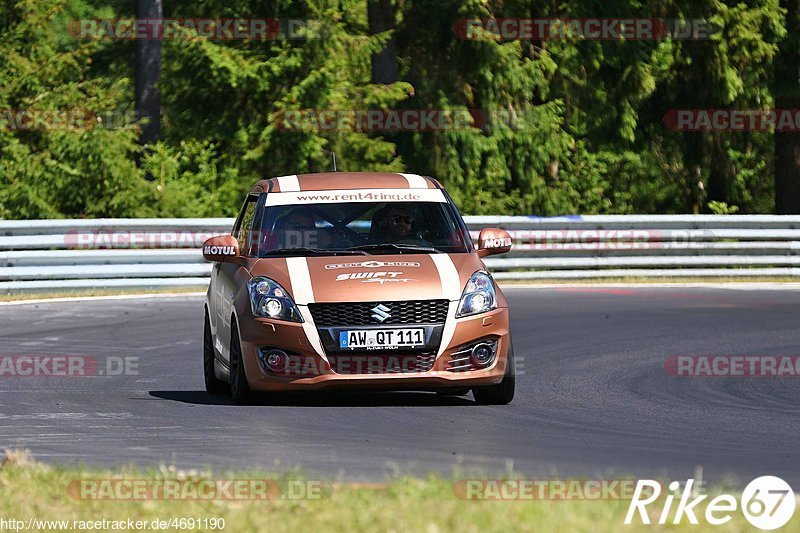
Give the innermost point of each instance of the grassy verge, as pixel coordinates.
(83, 293)
(31, 490)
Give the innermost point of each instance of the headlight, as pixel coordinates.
(478, 297)
(269, 300)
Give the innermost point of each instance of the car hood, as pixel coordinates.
(372, 277)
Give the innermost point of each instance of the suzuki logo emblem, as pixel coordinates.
(381, 313)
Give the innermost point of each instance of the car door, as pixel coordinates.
(224, 275)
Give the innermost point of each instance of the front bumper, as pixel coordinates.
(314, 372)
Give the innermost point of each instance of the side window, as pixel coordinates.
(244, 226)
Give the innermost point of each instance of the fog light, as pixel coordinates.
(482, 354)
(274, 360)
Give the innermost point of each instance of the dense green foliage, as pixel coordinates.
(591, 138)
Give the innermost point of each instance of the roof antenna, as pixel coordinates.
(334, 161)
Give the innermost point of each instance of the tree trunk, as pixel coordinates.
(721, 172)
(147, 71)
(787, 96)
(384, 63)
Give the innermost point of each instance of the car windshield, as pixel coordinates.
(360, 229)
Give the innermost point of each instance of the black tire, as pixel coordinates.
(452, 392)
(503, 392)
(213, 384)
(240, 390)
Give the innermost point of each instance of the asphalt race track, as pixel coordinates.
(593, 398)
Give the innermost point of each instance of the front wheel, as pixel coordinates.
(213, 384)
(240, 389)
(503, 392)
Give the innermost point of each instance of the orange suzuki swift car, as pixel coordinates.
(355, 280)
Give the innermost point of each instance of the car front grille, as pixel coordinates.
(360, 313)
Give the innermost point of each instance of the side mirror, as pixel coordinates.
(493, 241)
(221, 249)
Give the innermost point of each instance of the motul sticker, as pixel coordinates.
(219, 250)
(496, 243)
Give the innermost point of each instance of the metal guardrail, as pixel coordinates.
(52, 255)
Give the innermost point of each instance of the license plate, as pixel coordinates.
(381, 338)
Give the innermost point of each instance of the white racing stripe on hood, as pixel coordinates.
(289, 183)
(415, 181)
(449, 328)
(448, 276)
(302, 291)
(303, 294)
(311, 332)
(451, 290)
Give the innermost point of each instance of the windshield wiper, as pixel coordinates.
(396, 247)
(312, 251)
